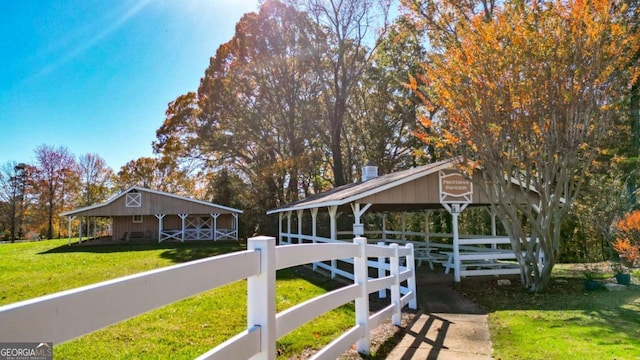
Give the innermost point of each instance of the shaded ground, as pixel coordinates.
(446, 325)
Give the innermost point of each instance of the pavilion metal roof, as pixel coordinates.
(349, 193)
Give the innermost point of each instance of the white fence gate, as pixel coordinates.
(63, 316)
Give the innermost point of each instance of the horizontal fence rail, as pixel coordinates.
(69, 314)
(66, 315)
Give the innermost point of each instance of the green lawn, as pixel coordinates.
(565, 322)
(182, 330)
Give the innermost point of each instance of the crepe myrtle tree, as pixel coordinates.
(527, 90)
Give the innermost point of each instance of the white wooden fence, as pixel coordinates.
(69, 314)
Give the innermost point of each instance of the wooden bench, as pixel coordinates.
(136, 235)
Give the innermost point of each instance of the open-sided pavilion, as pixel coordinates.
(436, 186)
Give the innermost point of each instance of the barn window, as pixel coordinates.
(137, 218)
(134, 199)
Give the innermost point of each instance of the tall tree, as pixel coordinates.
(347, 26)
(384, 109)
(527, 90)
(95, 179)
(178, 138)
(255, 108)
(13, 179)
(156, 174)
(55, 168)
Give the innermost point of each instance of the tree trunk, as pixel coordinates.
(634, 105)
(336, 151)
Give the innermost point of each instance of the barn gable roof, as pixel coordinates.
(106, 208)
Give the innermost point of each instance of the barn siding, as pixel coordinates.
(152, 203)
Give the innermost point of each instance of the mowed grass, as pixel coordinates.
(182, 330)
(565, 322)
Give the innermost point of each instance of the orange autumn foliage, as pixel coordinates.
(627, 244)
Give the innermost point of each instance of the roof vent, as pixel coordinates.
(369, 171)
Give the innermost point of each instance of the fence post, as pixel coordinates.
(361, 277)
(395, 288)
(381, 272)
(261, 298)
(411, 282)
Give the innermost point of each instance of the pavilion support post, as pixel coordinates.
(493, 227)
(333, 220)
(403, 216)
(358, 211)
(183, 217)
(314, 230)
(427, 236)
(80, 230)
(455, 210)
(280, 216)
(289, 227)
(160, 218)
(456, 247)
(494, 231)
(384, 226)
(215, 226)
(299, 213)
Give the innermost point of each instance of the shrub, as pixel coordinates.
(627, 243)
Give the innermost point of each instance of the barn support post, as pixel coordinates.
(182, 217)
(80, 230)
(215, 226)
(236, 225)
(160, 218)
(70, 223)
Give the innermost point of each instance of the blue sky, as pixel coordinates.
(96, 76)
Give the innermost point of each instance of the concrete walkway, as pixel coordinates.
(447, 325)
